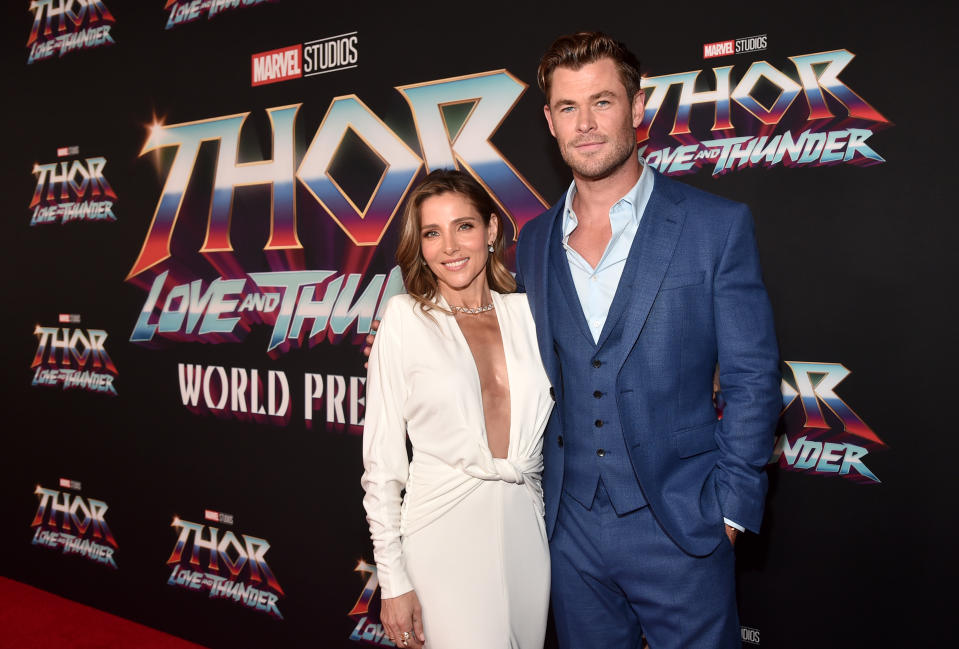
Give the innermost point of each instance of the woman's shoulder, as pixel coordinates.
(396, 311)
(404, 307)
(399, 301)
(515, 300)
(517, 304)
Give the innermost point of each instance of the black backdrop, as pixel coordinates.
(857, 258)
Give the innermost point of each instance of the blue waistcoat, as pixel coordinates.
(595, 445)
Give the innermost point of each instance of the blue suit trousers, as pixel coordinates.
(616, 578)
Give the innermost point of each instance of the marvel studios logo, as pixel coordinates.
(309, 59)
(331, 54)
(68, 318)
(64, 151)
(735, 46)
(218, 517)
(277, 65)
(66, 483)
(749, 635)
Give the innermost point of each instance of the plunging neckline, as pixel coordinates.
(498, 305)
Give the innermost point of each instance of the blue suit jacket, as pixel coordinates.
(693, 297)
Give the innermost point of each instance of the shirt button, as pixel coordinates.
(594, 278)
(598, 394)
(597, 363)
(599, 423)
(601, 452)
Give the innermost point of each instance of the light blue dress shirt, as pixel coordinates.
(596, 287)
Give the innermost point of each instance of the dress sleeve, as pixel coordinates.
(385, 460)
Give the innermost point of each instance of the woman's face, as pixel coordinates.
(454, 241)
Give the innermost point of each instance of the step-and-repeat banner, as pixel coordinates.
(201, 200)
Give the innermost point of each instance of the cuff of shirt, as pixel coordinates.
(393, 583)
(734, 525)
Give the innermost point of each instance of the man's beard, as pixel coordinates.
(597, 168)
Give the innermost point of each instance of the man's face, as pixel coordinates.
(592, 119)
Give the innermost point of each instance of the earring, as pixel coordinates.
(423, 261)
(491, 248)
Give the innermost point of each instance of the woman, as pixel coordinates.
(462, 559)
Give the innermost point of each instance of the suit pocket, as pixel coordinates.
(695, 440)
(685, 279)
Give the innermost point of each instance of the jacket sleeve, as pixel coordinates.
(748, 375)
(385, 460)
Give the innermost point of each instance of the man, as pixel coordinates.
(639, 285)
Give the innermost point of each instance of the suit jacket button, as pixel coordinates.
(598, 394)
(559, 441)
(599, 423)
(601, 452)
(597, 363)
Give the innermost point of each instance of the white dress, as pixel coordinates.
(468, 536)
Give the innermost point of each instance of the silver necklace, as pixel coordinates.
(472, 310)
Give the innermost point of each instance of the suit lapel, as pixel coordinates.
(646, 265)
(559, 264)
(538, 291)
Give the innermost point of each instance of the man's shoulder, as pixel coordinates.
(696, 198)
(708, 210)
(541, 223)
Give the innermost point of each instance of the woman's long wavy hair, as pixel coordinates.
(420, 281)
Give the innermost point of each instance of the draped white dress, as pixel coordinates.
(468, 536)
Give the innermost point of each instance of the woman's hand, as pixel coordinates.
(402, 614)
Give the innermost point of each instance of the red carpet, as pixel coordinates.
(31, 618)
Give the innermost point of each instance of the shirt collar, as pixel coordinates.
(636, 198)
